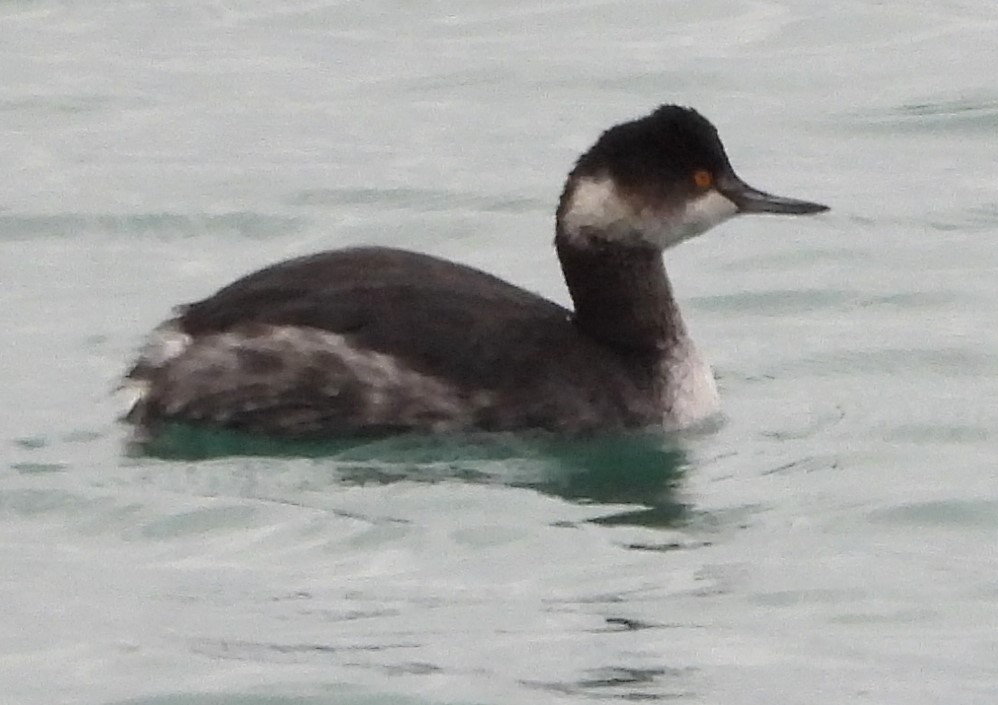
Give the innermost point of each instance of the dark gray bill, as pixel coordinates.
(750, 200)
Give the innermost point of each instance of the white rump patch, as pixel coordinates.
(164, 343)
(293, 380)
(595, 206)
(130, 393)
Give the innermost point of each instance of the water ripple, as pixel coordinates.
(415, 199)
(184, 225)
(952, 362)
(949, 513)
(777, 302)
(964, 115)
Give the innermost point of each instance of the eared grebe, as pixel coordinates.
(377, 340)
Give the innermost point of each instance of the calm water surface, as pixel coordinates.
(833, 540)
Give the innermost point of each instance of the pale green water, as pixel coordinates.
(834, 540)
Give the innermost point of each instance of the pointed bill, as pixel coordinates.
(751, 200)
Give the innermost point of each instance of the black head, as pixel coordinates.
(659, 180)
(667, 146)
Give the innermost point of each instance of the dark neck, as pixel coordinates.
(621, 294)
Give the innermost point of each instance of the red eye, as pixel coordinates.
(702, 178)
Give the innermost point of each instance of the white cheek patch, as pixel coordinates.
(594, 204)
(595, 208)
(701, 215)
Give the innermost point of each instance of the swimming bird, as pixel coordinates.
(374, 340)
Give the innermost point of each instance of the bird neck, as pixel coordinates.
(621, 293)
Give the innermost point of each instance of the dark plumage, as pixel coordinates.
(377, 340)
(424, 311)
